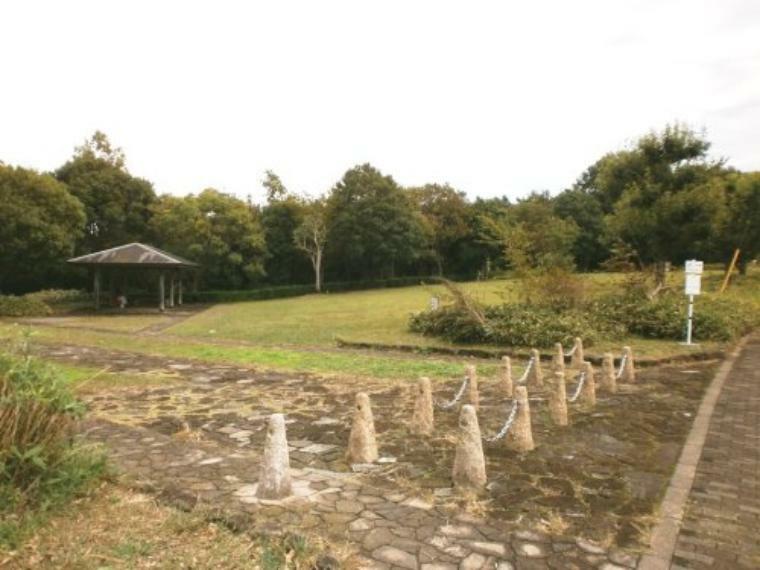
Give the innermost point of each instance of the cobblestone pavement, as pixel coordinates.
(388, 527)
(211, 459)
(721, 524)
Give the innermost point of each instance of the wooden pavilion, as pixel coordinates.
(139, 256)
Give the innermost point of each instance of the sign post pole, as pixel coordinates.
(691, 315)
(692, 286)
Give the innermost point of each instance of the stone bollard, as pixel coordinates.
(629, 371)
(608, 381)
(469, 463)
(473, 397)
(558, 360)
(505, 372)
(274, 476)
(587, 396)
(362, 447)
(520, 436)
(558, 400)
(576, 361)
(422, 418)
(536, 377)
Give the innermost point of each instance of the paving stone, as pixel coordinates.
(377, 537)
(530, 550)
(395, 557)
(474, 561)
(589, 547)
(488, 548)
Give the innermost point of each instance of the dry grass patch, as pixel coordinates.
(120, 528)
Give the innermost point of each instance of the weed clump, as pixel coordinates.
(41, 463)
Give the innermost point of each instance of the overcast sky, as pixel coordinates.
(496, 98)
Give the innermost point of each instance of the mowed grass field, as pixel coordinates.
(376, 316)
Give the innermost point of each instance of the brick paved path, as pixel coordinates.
(721, 524)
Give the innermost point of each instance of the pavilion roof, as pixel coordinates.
(133, 255)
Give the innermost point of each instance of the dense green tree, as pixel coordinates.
(447, 218)
(373, 226)
(217, 230)
(590, 248)
(740, 226)
(39, 224)
(117, 204)
(668, 211)
(280, 218)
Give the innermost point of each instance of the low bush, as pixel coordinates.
(59, 296)
(41, 464)
(610, 317)
(26, 306)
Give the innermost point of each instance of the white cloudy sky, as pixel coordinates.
(493, 97)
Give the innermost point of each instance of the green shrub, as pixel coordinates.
(59, 296)
(41, 464)
(13, 306)
(610, 317)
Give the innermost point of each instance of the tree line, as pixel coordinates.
(661, 199)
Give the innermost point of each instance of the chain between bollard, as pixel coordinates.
(571, 351)
(524, 377)
(457, 397)
(507, 424)
(579, 387)
(619, 374)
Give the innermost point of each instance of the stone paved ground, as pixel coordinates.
(197, 442)
(721, 525)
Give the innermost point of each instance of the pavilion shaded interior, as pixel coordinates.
(140, 257)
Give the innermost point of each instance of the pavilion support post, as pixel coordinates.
(96, 289)
(179, 292)
(161, 294)
(171, 291)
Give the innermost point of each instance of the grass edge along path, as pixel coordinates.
(293, 360)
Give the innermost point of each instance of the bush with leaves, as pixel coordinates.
(24, 306)
(41, 465)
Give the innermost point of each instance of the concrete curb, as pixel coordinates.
(665, 533)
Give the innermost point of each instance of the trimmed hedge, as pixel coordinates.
(13, 306)
(285, 291)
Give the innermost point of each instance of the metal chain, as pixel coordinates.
(524, 377)
(571, 351)
(579, 387)
(623, 360)
(507, 424)
(452, 403)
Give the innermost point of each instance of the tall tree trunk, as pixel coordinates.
(318, 270)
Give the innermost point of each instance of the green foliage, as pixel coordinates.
(217, 230)
(117, 204)
(23, 306)
(41, 467)
(39, 223)
(373, 228)
(610, 317)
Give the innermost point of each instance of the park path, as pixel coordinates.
(710, 515)
(721, 523)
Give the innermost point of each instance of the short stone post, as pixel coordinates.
(505, 377)
(578, 358)
(274, 476)
(558, 400)
(362, 446)
(558, 360)
(473, 396)
(608, 381)
(422, 418)
(536, 377)
(469, 463)
(629, 372)
(587, 396)
(520, 435)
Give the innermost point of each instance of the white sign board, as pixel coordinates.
(694, 266)
(693, 284)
